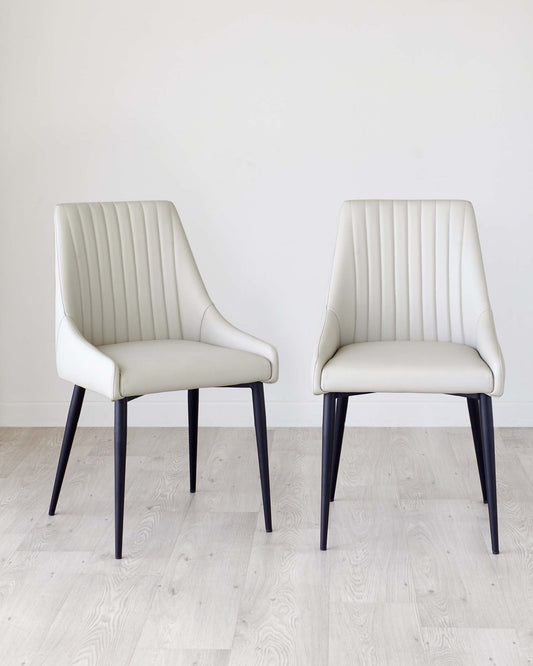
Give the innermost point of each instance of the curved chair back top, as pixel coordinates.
(125, 272)
(408, 270)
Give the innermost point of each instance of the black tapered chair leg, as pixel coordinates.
(74, 410)
(192, 400)
(121, 429)
(487, 436)
(340, 418)
(328, 426)
(475, 423)
(258, 399)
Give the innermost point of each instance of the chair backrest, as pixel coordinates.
(125, 272)
(408, 270)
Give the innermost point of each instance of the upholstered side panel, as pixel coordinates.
(126, 272)
(401, 269)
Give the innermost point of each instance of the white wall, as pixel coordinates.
(258, 119)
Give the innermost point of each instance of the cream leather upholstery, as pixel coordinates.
(408, 307)
(152, 366)
(132, 313)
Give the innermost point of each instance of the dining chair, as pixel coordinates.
(408, 312)
(133, 317)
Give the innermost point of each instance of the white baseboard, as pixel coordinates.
(363, 411)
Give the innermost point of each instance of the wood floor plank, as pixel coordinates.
(366, 460)
(180, 658)
(100, 621)
(14, 447)
(456, 583)
(425, 465)
(284, 607)
(383, 633)
(197, 603)
(470, 647)
(228, 480)
(33, 588)
(368, 547)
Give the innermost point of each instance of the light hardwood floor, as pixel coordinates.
(409, 577)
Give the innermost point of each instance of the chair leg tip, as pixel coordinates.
(323, 546)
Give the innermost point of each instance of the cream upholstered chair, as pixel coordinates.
(408, 311)
(133, 317)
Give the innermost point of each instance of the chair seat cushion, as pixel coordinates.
(154, 366)
(407, 367)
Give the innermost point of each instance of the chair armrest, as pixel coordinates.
(215, 330)
(488, 348)
(80, 362)
(327, 347)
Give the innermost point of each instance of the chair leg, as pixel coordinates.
(121, 428)
(258, 399)
(340, 418)
(76, 403)
(192, 399)
(475, 423)
(487, 432)
(328, 425)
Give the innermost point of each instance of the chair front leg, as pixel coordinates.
(340, 419)
(475, 423)
(193, 400)
(121, 428)
(487, 433)
(74, 410)
(258, 398)
(328, 425)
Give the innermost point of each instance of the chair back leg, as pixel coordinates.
(475, 423)
(328, 426)
(258, 399)
(76, 403)
(121, 428)
(192, 401)
(487, 433)
(340, 419)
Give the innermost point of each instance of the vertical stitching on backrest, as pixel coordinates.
(367, 275)
(448, 276)
(123, 269)
(73, 243)
(99, 276)
(149, 270)
(435, 274)
(381, 285)
(161, 269)
(90, 294)
(148, 262)
(354, 275)
(461, 276)
(395, 332)
(173, 225)
(421, 274)
(407, 262)
(135, 264)
(112, 285)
